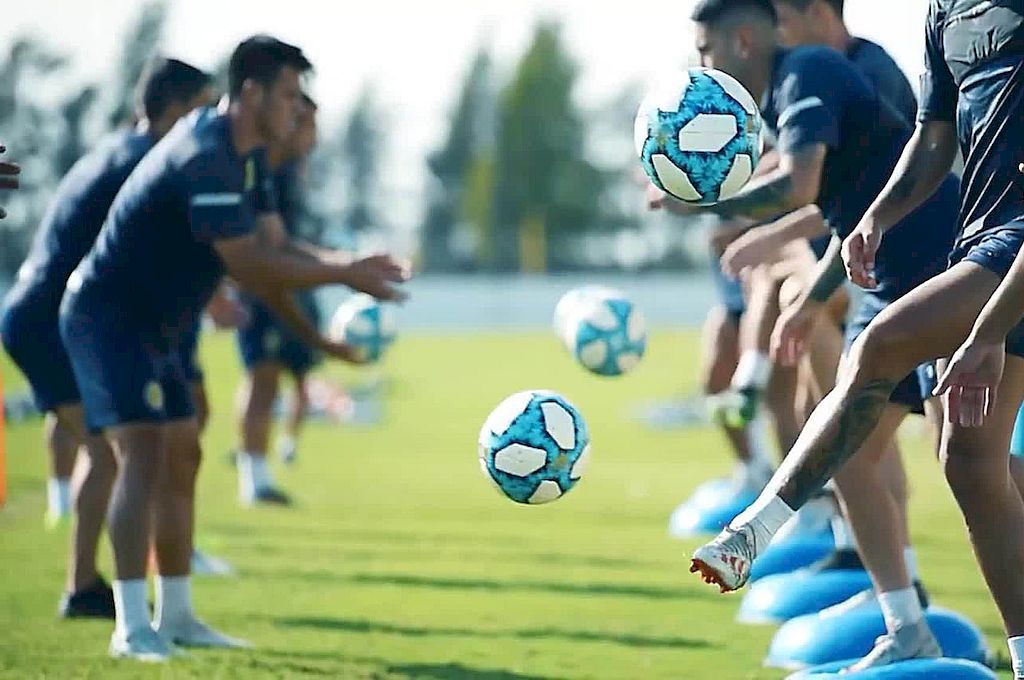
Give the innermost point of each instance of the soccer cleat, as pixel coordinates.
(195, 633)
(204, 564)
(269, 495)
(915, 641)
(141, 645)
(56, 520)
(726, 560)
(96, 601)
(734, 408)
(288, 451)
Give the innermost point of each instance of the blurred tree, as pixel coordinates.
(360, 150)
(546, 190)
(466, 153)
(141, 43)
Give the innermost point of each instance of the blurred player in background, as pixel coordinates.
(268, 347)
(167, 90)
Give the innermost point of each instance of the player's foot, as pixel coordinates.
(734, 408)
(96, 601)
(287, 450)
(726, 560)
(269, 495)
(194, 633)
(915, 641)
(142, 645)
(205, 564)
(55, 520)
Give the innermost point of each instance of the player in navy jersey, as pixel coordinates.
(973, 92)
(838, 141)
(267, 346)
(197, 207)
(29, 323)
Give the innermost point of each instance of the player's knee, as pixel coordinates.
(790, 291)
(880, 352)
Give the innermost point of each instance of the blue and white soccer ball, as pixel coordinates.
(365, 324)
(569, 304)
(699, 136)
(534, 446)
(606, 332)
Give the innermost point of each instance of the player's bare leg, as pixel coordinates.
(295, 418)
(202, 562)
(174, 526)
(86, 592)
(139, 451)
(976, 466)
(62, 446)
(929, 322)
(256, 396)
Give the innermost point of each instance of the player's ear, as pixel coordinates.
(743, 40)
(252, 92)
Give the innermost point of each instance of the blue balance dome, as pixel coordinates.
(790, 555)
(915, 669)
(820, 639)
(713, 505)
(781, 597)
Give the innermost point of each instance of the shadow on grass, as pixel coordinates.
(457, 671)
(362, 626)
(428, 671)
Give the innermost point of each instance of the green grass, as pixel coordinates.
(400, 561)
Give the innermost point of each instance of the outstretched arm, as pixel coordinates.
(759, 244)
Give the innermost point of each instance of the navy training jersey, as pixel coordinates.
(154, 260)
(885, 75)
(974, 77)
(74, 218)
(817, 96)
(288, 196)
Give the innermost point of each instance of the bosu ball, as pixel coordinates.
(781, 597)
(914, 669)
(713, 505)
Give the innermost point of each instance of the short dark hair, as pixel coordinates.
(261, 58)
(713, 12)
(309, 101)
(802, 5)
(167, 81)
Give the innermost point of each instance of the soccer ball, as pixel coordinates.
(569, 303)
(606, 333)
(534, 446)
(365, 324)
(698, 135)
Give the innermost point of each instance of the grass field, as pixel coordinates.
(400, 561)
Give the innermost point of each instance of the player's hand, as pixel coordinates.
(341, 350)
(970, 381)
(8, 176)
(227, 312)
(749, 250)
(792, 331)
(859, 249)
(376, 274)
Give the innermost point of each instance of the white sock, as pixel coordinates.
(173, 600)
(759, 441)
(58, 496)
(765, 516)
(843, 534)
(1016, 645)
(910, 559)
(253, 474)
(753, 370)
(285, 442)
(900, 608)
(130, 608)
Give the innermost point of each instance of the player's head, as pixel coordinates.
(806, 22)
(264, 80)
(735, 36)
(303, 139)
(168, 89)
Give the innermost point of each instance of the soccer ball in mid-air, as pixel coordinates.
(534, 446)
(698, 135)
(366, 325)
(606, 332)
(569, 304)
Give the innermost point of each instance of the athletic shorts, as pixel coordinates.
(31, 337)
(730, 291)
(125, 376)
(267, 339)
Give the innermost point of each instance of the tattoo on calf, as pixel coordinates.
(833, 446)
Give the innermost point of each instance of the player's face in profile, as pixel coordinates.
(282, 104)
(304, 138)
(795, 27)
(714, 49)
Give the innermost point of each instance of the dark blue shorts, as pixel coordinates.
(915, 388)
(125, 376)
(189, 349)
(996, 251)
(266, 339)
(32, 338)
(730, 291)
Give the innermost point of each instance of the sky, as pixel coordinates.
(415, 53)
